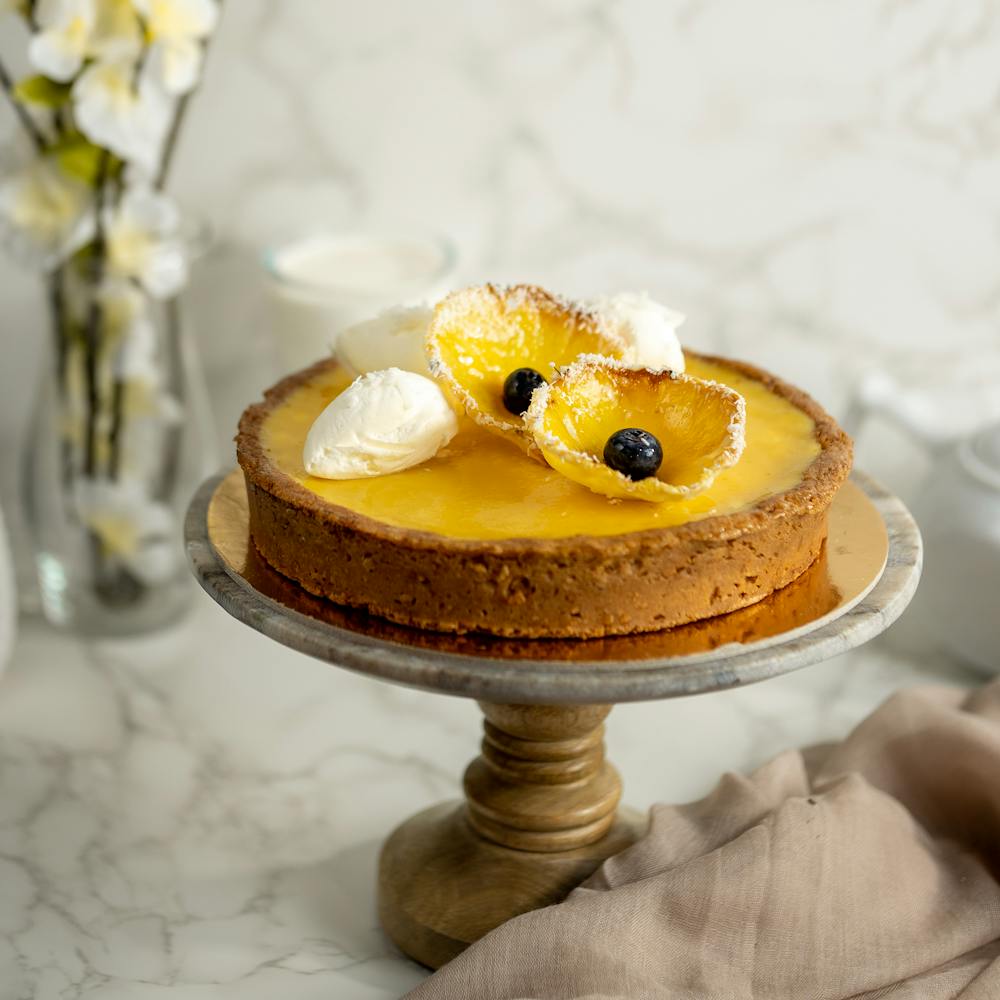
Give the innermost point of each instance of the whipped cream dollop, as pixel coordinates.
(647, 328)
(384, 422)
(392, 339)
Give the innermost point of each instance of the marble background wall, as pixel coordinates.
(815, 183)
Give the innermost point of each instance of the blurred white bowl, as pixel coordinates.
(323, 283)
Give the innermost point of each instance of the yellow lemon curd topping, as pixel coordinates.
(481, 486)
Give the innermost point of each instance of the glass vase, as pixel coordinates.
(119, 439)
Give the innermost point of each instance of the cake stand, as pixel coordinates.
(541, 804)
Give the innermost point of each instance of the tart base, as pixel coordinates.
(603, 590)
(579, 586)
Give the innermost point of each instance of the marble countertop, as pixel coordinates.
(198, 814)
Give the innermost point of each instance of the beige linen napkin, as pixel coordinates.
(869, 872)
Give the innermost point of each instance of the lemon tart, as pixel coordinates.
(484, 538)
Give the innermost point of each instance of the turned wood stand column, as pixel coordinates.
(542, 783)
(541, 813)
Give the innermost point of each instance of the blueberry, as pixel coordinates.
(633, 452)
(518, 387)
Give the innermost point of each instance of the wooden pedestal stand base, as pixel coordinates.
(541, 813)
(541, 803)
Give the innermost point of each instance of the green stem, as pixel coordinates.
(174, 359)
(171, 143)
(93, 398)
(60, 337)
(92, 330)
(30, 126)
(117, 405)
(170, 146)
(115, 431)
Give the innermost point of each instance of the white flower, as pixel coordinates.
(117, 33)
(177, 30)
(47, 214)
(71, 31)
(143, 244)
(60, 45)
(128, 117)
(129, 327)
(136, 359)
(132, 338)
(139, 532)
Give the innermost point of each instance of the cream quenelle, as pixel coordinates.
(392, 339)
(647, 328)
(384, 422)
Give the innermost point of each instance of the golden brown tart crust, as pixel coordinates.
(577, 586)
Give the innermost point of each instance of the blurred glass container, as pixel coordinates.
(323, 283)
(957, 606)
(119, 437)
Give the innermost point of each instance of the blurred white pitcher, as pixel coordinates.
(323, 283)
(957, 606)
